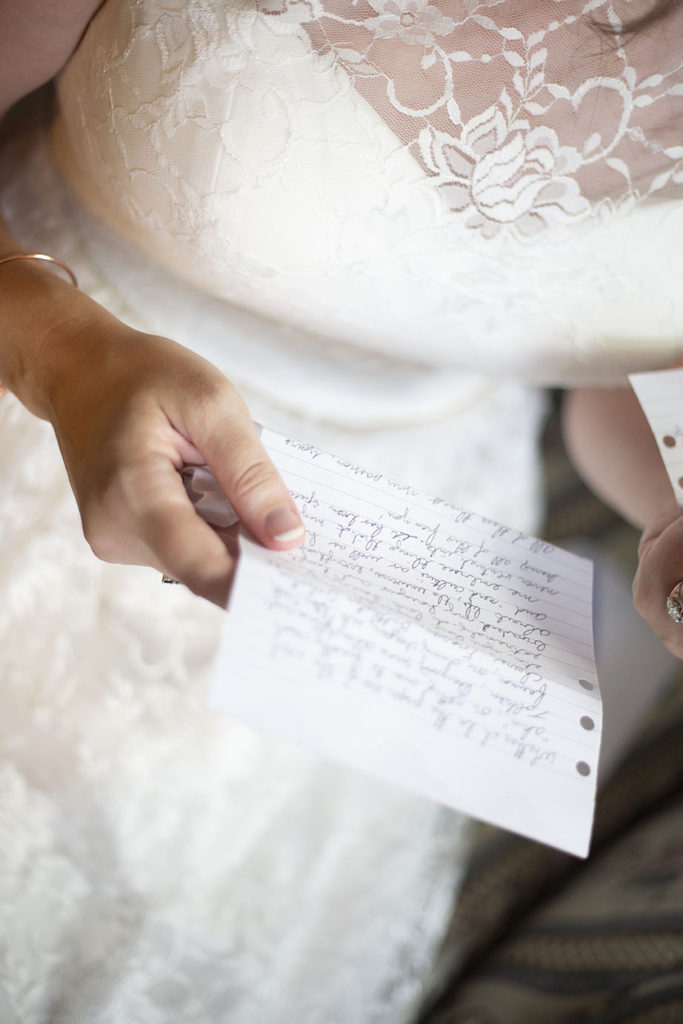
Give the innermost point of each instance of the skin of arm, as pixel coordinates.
(36, 40)
(611, 445)
(128, 409)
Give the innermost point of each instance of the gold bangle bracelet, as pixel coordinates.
(44, 258)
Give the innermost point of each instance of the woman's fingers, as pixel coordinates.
(248, 478)
(158, 526)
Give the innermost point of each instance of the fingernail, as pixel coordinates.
(283, 525)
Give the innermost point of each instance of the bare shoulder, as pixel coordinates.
(37, 37)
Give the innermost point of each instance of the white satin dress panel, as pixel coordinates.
(360, 211)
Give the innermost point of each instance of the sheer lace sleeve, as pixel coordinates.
(521, 114)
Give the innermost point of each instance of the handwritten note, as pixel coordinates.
(422, 643)
(661, 395)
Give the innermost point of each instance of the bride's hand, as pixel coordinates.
(660, 568)
(129, 410)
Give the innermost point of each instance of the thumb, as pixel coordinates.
(253, 486)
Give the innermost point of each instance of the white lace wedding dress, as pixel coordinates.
(384, 220)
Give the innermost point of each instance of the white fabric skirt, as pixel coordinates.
(157, 862)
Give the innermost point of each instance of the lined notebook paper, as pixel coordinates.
(660, 393)
(423, 644)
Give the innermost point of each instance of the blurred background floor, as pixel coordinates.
(538, 936)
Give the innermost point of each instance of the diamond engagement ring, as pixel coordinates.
(674, 603)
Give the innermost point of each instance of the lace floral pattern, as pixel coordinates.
(523, 115)
(414, 22)
(455, 184)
